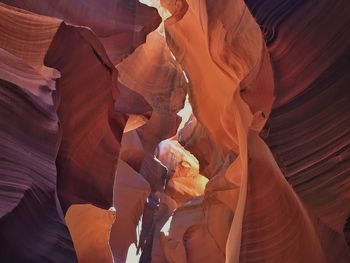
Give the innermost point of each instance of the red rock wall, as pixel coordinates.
(92, 141)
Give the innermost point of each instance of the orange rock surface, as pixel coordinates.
(189, 131)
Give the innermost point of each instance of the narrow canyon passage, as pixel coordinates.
(174, 131)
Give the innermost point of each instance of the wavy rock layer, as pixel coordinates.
(45, 40)
(90, 127)
(88, 93)
(32, 227)
(89, 149)
(121, 25)
(242, 102)
(160, 81)
(31, 220)
(308, 130)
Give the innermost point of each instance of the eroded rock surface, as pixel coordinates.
(219, 134)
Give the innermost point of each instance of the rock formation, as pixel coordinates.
(192, 130)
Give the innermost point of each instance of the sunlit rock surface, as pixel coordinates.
(190, 130)
(90, 228)
(240, 105)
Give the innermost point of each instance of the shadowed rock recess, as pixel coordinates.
(174, 131)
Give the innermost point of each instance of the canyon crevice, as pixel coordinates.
(174, 131)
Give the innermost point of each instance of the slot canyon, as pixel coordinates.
(174, 131)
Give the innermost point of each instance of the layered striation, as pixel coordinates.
(81, 133)
(31, 220)
(121, 25)
(308, 128)
(219, 134)
(240, 104)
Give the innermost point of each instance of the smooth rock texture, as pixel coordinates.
(90, 228)
(32, 227)
(190, 130)
(78, 171)
(131, 192)
(121, 25)
(245, 78)
(193, 227)
(91, 136)
(308, 128)
(31, 220)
